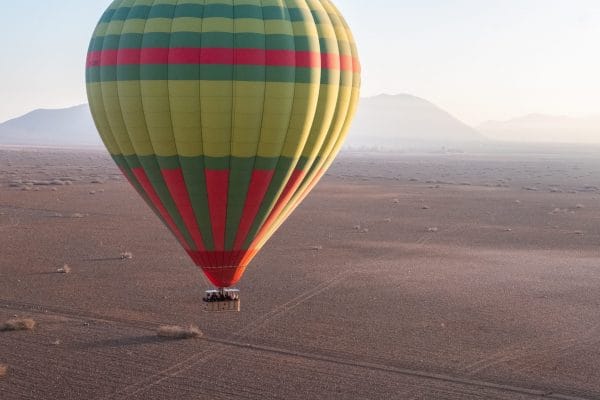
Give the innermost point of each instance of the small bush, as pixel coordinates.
(17, 324)
(179, 332)
(64, 270)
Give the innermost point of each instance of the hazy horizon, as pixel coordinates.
(477, 125)
(387, 122)
(479, 60)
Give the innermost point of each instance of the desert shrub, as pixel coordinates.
(179, 332)
(17, 324)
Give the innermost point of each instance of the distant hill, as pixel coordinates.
(544, 128)
(386, 122)
(61, 127)
(404, 121)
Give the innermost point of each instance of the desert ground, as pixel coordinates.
(403, 276)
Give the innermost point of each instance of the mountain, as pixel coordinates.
(404, 121)
(384, 122)
(61, 127)
(544, 128)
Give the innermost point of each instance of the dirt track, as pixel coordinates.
(439, 277)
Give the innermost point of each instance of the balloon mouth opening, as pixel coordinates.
(223, 269)
(224, 277)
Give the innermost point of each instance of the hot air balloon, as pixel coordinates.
(223, 114)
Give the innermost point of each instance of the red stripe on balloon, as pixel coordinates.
(178, 189)
(310, 186)
(349, 63)
(217, 186)
(142, 178)
(221, 276)
(356, 65)
(259, 184)
(225, 56)
(289, 190)
(331, 61)
(232, 258)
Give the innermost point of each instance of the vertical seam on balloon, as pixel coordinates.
(355, 90)
(285, 9)
(172, 20)
(234, 72)
(140, 83)
(212, 259)
(294, 162)
(169, 80)
(327, 142)
(258, 242)
(101, 85)
(314, 111)
(123, 120)
(256, 223)
(348, 39)
(185, 244)
(301, 187)
(201, 227)
(203, 155)
(308, 182)
(117, 97)
(93, 110)
(327, 159)
(310, 162)
(117, 83)
(262, 119)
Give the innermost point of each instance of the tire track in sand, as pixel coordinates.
(220, 349)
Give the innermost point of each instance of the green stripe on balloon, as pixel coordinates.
(238, 188)
(241, 40)
(213, 163)
(152, 168)
(283, 171)
(267, 13)
(193, 171)
(247, 73)
(124, 164)
(283, 177)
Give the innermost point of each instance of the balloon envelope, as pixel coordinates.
(223, 114)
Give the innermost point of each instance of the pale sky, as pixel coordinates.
(477, 59)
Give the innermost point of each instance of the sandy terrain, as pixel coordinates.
(436, 277)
